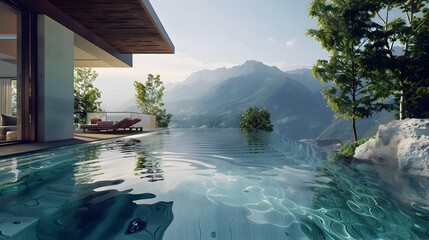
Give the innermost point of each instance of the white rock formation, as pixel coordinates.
(403, 144)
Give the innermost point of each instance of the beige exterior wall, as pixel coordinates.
(55, 81)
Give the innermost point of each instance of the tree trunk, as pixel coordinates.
(401, 106)
(355, 138)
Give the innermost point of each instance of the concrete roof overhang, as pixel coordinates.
(107, 32)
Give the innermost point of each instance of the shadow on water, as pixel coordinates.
(106, 215)
(54, 195)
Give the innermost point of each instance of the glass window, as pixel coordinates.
(10, 112)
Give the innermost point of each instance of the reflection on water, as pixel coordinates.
(8, 171)
(149, 162)
(256, 141)
(84, 172)
(224, 185)
(148, 166)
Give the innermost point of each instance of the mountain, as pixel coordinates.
(216, 98)
(199, 82)
(297, 110)
(305, 77)
(279, 93)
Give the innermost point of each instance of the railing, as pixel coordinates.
(147, 122)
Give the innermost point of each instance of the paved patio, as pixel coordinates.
(79, 137)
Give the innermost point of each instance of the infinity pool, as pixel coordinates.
(205, 184)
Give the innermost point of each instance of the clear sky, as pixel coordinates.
(209, 34)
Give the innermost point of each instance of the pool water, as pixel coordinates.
(206, 184)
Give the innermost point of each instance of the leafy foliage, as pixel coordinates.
(163, 118)
(343, 28)
(407, 68)
(415, 103)
(373, 55)
(149, 95)
(149, 99)
(255, 119)
(347, 151)
(86, 95)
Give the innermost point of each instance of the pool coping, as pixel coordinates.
(80, 138)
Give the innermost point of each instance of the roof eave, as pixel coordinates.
(147, 6)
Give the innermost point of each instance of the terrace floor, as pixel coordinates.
(79, 137)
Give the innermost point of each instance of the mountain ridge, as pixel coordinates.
(216, 98)
(198, 82)
(201, 81)
(289, 101)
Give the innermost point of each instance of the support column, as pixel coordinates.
(54, 81)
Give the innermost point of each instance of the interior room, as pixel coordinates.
(8, 73)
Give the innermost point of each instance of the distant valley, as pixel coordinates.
(216, 98)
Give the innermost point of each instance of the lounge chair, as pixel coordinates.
(124, 124)
(130, 125)
(133, 122)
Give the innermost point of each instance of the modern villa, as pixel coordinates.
(42, 41)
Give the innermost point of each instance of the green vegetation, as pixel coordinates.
(408, 70)
(417, 103)
(365, 65)
(255, 119)
(347, 151)
(163, 118)
(343, 27)
(295, 111)
(149, 99)
(86, 95)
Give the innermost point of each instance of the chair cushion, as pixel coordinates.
(5, 129)
(105, 123)
(8, 120)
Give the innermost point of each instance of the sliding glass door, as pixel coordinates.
(10, 85)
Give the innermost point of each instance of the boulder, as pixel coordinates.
(402, 144)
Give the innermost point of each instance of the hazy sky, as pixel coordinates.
(208, 34)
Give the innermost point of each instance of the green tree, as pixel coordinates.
(412, 71)
(255, 119)
(407, 68)
(163, 118)
(149, 99)
(86, 95)
(343, 32)
(417, 95)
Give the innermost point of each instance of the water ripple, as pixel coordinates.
(224, 185)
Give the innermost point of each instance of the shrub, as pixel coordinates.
(163, 119)
(347, 151)
(255, 119)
